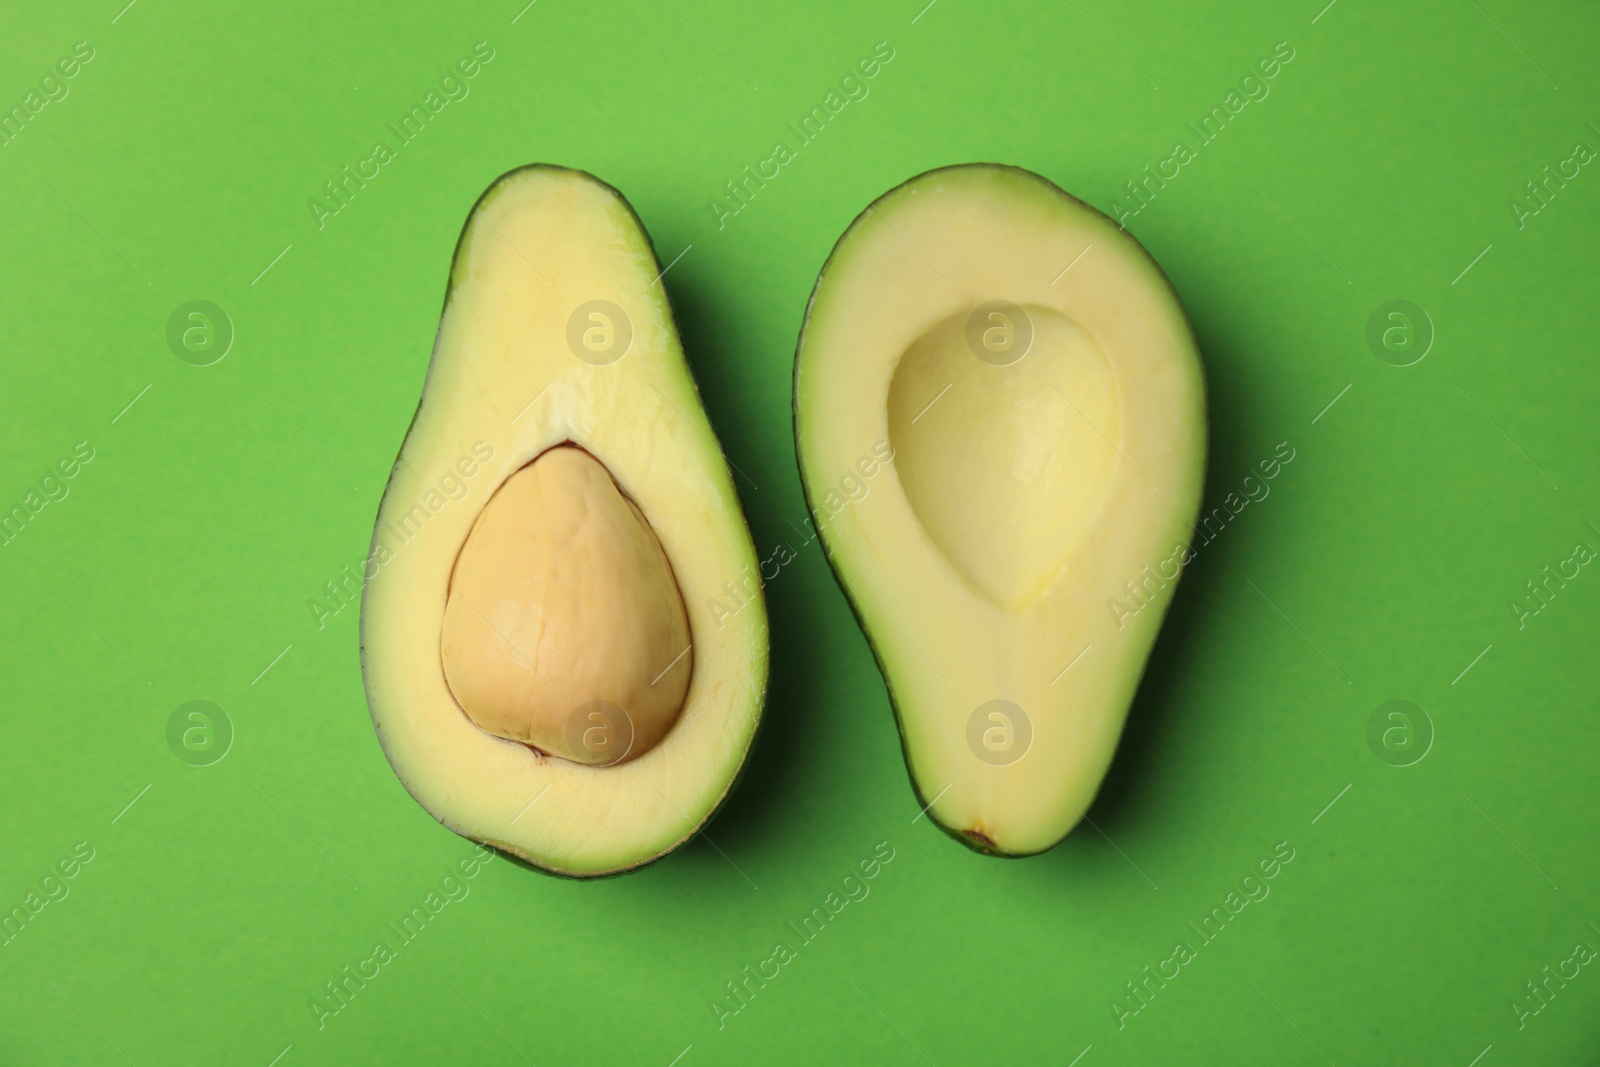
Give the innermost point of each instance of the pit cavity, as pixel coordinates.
(1002, 420)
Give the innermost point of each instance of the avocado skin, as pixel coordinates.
(980, 847)
(501, 848)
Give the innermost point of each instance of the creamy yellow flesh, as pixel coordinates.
(506, 385)
(564, 628)
(1026, 490)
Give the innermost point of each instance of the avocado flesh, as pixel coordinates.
(505, 387)
(1030, 484)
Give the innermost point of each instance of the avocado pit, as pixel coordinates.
(564, 628)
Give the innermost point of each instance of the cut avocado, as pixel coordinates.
(1032, 376)
(543, 663)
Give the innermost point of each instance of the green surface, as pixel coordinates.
(1383, 563)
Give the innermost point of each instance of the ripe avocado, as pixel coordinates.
(542, 662)
(1034, 377)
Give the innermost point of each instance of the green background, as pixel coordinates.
(1384, 561)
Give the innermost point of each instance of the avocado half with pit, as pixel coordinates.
(1033, 377)
(541, 660)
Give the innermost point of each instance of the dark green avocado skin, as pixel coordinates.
(979, 844)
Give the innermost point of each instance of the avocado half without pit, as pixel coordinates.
(1034, 377)
(542, 662)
